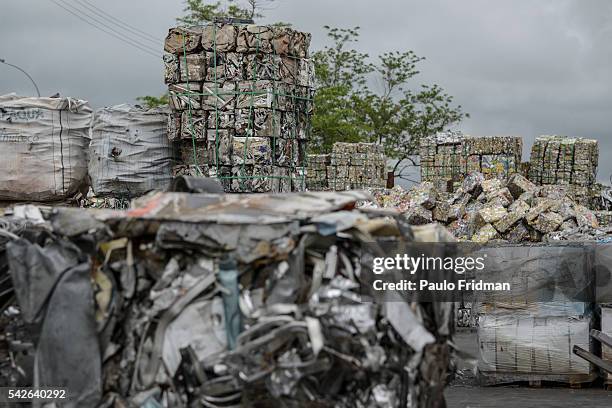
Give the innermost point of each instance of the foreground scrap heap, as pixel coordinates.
(241, 97)
(221, 301)
(495, 210)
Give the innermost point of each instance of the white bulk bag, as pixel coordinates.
(129, 152)
(43, 147)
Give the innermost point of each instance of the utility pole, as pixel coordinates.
(2, 61)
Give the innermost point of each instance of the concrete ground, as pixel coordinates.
(465, 393)
(461, 396)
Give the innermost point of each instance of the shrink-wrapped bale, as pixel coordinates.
(513, 348)
(129, 153)
(44, 147)
(529, 332)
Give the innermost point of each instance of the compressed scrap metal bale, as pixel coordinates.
(249, 300)
(181, 39)
(448, 157)
(224, 67)
(512, 211)
(355, 166)
(518, 184)
(218, 96)
(417, 215)
(192, 126)
(485, 234)
(241, 81)
(185, 96)
(316, 177)
(548, 222)
(491, 214)
(604, 218)
(564, 160)
(251, 150)
(600, 197)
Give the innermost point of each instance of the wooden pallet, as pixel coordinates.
(603, 363)
(607, 382)
(536, 380)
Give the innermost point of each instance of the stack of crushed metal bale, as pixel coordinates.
(484, 210)
(349, 166)
(564, 160)
(357, 165)
(241, 97)
(448, 157)
(218, 301)
(316, 174)
(604, 218)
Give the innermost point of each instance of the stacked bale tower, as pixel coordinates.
(241, 100)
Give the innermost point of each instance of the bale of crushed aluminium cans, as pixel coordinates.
(448, 157)
(349, 166)
(228, 82)
(564, 160)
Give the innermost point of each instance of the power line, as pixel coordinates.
(119, 23)
(124, 23)
(85, 14)
(143, 47)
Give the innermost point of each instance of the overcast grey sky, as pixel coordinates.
(519, 67)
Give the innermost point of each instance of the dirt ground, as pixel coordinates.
(465, 393)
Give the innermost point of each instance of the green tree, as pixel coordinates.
(200, 12)
(341, 78)
(358, 100)
(153, 101)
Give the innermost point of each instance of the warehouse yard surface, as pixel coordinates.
(466, 393)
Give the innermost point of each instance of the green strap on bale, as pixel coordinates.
(292, 168)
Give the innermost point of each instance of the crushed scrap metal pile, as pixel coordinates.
(196, 300)
(495, 210)
(16, 344)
